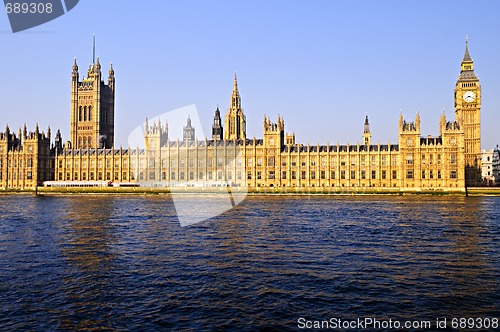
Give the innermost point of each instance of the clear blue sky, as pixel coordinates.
(323, 65)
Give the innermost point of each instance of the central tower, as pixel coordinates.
(235, 122)
(92, 108)
(468, 114)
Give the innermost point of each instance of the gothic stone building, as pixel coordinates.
(447, 162)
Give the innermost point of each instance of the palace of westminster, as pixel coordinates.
(448, 162)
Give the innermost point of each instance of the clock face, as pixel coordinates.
(469, 96)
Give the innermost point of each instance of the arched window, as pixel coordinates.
(80, 142)
(90, 142)
(80, 114)
(85, 113)
(90, 113)
(84, 142)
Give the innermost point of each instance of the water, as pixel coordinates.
(124, 263)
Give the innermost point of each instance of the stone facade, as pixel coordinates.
(414, 163)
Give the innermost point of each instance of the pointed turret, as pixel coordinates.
(75, 68)
(467, 57)
(467, 66)
(366, 132)
(235, 122)
(188, 130)
(235, 96)
(217, 130)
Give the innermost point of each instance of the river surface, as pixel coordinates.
(124, 263)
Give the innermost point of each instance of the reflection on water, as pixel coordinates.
(124, 262)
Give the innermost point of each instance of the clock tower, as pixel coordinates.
(467, 112)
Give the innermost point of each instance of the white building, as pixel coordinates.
(490, 163)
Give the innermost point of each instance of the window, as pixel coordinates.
(303, 163)
(323, 175)
(342, 175)
(250, 162)
(294, 175)
(453, 158)
(191, 176)
(200, 176)
(394, 175)
(313, 161)
(374, 174)
(363, 160)
(374, 160)
(384, 175)
(363, 175)
(453, 174)
(332, 175)
(259, 161)
(172, 176)
(394, 160)
(229, 175)
(270, 175)
(283, 161)
(409, 159)
(303, 175)
(423, 159)
(249, 175)
(181, 176)
(259, 175)
(294, 161)
(29, 175)
(283, 175)
(439, 174)
(353, 174)
(100, 176)
(409, 174)
(423, 174)
(313, 175)
(270, 161)
(342, 161)
(431, 174)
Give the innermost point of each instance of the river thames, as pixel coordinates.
(124, 263)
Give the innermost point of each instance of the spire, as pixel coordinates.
(367, 125)
(467, 70)
(235, 96)
(93, 50)
(217, 131)
(467, 57)
(366, 132)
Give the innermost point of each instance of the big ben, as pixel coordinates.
(468, 114)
